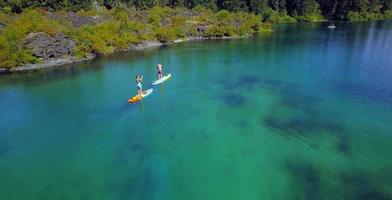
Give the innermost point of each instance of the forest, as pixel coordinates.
(302, 10)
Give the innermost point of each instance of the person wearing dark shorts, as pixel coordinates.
(160, 73)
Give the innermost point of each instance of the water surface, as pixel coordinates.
(300, 113)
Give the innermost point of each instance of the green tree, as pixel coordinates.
(257, 6)
(277, 5)
(232, 5)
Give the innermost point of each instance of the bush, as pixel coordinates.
(103, 38)
(12, 52)
(354, 16)
(3, 18)
(366, 16)
(309, 17)
(158, 13)
(165, 34)
(388, 14)
(249, 23)
(122, 29)
(33, 21)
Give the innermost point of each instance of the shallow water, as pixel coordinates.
(300, 113)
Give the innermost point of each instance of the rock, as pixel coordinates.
(4, 70)
(77, 20)
(202, 29)
(1, 26)
(44, 46)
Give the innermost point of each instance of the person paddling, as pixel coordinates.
(160, 73)
(139, 80)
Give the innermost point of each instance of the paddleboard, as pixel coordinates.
(161, 80)
(137, 98)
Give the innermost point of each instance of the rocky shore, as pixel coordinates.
(58, 50)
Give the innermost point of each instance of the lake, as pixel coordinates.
(299, 113)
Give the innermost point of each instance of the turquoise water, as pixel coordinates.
(300, 113)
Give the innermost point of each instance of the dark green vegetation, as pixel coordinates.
(283, 10)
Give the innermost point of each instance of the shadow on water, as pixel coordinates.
(305, 176)
(310, 127)
(304, 115)
(354, 184)
(343, 144)
(245, 82)
(132, 145)
(149, 184)
(155, 177)
(235, 100)
(292, 97)
(304, 126)
(359, 185)
(232, 90)
(4, 149)
(304, 118)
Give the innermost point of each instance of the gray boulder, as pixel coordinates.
(202, 29)
(44, 46)
(76, 20)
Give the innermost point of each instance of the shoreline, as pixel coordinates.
(139, 47)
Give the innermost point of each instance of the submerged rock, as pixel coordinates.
(362, 185)
(307, 176)
(44, 46)
(235, 100)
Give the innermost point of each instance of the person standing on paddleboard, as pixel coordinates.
(160, 73)
(139, 80)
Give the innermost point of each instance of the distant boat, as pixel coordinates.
(331, 26)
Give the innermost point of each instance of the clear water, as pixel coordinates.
(300, 113)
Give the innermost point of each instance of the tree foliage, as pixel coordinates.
(300, 9)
